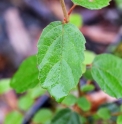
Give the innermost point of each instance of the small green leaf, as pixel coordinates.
(27, 75)
(13, 118)
(4, 85)
(88, 74)
(96, 117)
(66, 116)
(87, 88)
(25, 102)
(84, 104)
(36, 92)
(104, 113)
(83, 67)
(83, 120)
(120, 108)
(47, 122)
(119, 4)
(60, 56)
(92, 4)
(76, 19)
(69, 100)
(89, 57)
(43, 116)
(119, 119)
(107, 72)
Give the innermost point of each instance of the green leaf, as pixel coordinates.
(25, 102)
(4, 85)
(27, 75)
(119, 4)
(89, 57)
(87, 88)
(120, 108)
(36, 92)
(83, 66)
(92, 4)
(43, 116)
(96, 117)
(13, 118)
(119, 119)
(104, 113)
(60, 56)
(76, 19)
(84, 104)
(69, 100)
(107, 72)
(66, 116)
(88, 74)
(83, 120)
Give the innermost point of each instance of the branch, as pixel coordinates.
(116, 114)
(80, 93)
(64, 11)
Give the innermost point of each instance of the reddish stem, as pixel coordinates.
(72, 8)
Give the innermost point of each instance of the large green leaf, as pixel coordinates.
(92, 4)
(66, 116)
(60, 57)
(107, 72)
(27, 75)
